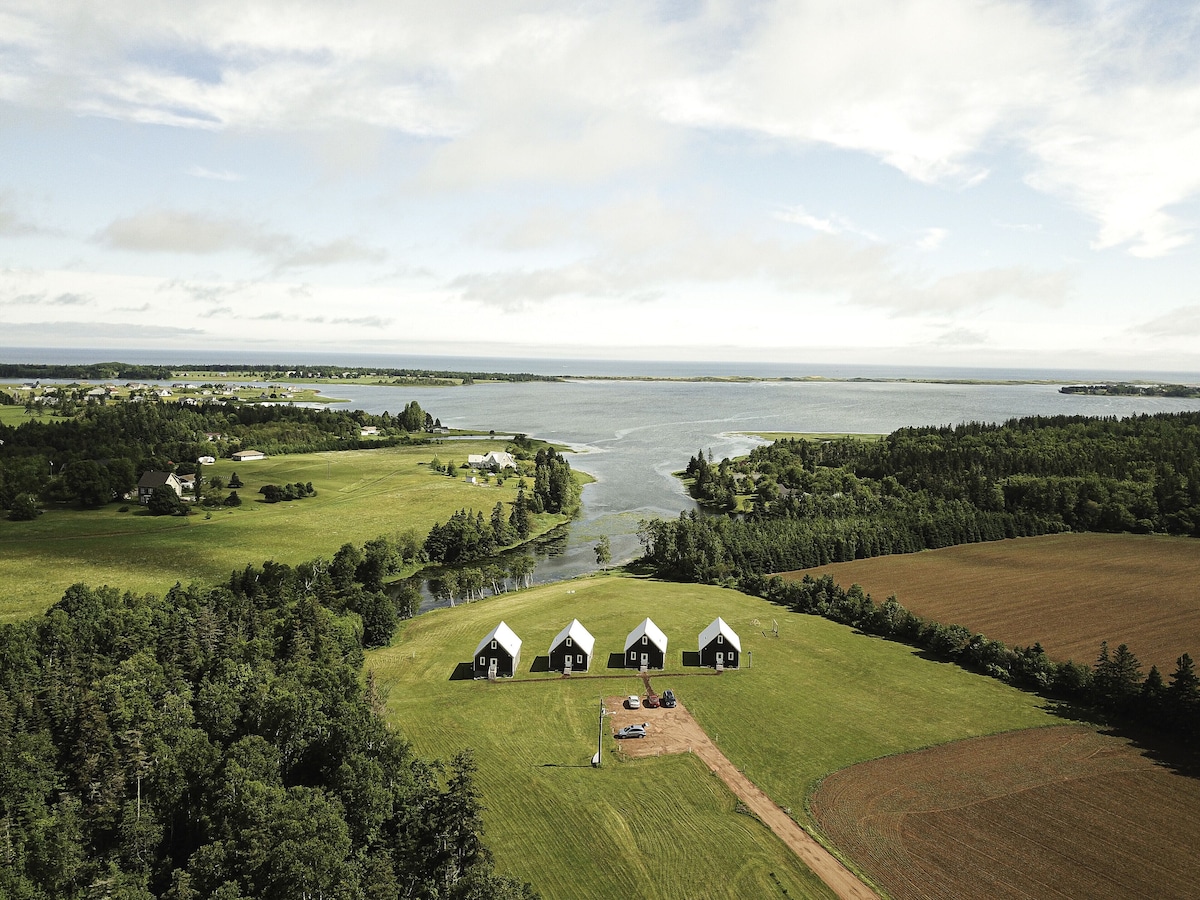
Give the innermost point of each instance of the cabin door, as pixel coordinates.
(567, 665)
(492, 665)
(645, 659)
(720, 658)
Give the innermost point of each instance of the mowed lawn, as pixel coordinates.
(814, 700)
(361, 494)
(1068, 591)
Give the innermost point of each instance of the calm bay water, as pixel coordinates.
(631, 435)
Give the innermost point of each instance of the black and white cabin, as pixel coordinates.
(646, 647)
(720, 646)
(571, 649)
(498, 654)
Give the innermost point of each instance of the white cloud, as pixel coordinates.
(12, 222)
(640, 249)
(834, 224)
(213, 174)
(931, 239)
(1182, 322)
(181, 231)
(1104, 99)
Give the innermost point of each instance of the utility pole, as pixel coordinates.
(599, 736)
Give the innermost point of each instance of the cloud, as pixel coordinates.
(332, 253)
(960, 337)
(213, 174)
(71, 300)
(181, 231)
(42, 298)
(12, 223)
(1183, 321)
(94, 333)
(931, 239)
(835, 224)
(684, 253)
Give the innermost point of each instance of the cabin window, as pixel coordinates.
(568, 642)
(483, 660)
(579, 659)
(645, 640)
(493, 645)
(720, 638)
(633, 654)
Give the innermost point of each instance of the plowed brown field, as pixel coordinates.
(1068, 591)
(1059, 812)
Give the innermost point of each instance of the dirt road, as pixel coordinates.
(675, 731)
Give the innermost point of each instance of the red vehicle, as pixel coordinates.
(652, 700)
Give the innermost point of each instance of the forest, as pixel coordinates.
(816, 502)
(219, 743)
(98, 455)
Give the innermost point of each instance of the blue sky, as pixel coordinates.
(893, 181)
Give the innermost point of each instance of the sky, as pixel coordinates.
(933, 182)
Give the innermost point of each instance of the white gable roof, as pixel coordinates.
(720, 626)
(650, 630)
(505, 637)
(581, 637)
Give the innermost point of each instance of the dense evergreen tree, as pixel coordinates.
(218, 743)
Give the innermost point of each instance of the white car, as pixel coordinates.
(632, 702)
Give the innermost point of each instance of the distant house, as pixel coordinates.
(247, 455)
(151, 480)
(646, 647)
(571, 649)
(213, 435)
(720, 646)
(494, 461)
(498, 654)
(369, 430)
(206, 460)
(188, 482)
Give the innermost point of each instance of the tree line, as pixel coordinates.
(815, 502)
(98, 456)
(1114, 685)
(220, 743)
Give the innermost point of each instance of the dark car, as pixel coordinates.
(632, 731)
(668, 699)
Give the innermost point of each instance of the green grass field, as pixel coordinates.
(361, 495)
(814, 700)
(16, 415)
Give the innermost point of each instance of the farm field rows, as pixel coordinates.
(1068, 591)
(361, 494)
(1061, 812)
(813, 700)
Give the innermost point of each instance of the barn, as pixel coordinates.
(571, 649)
(646, 647)
(720, 646)
(498, 654)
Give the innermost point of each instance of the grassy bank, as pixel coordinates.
(815, 699)
(361, 494)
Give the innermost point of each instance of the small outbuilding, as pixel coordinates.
(247, 455)
(498, 654)
(646, 647)
(571, 649)
(720, 647)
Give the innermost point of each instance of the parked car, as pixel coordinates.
(651, 701)
(632, 702)
(668, 699)
(632, 731)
